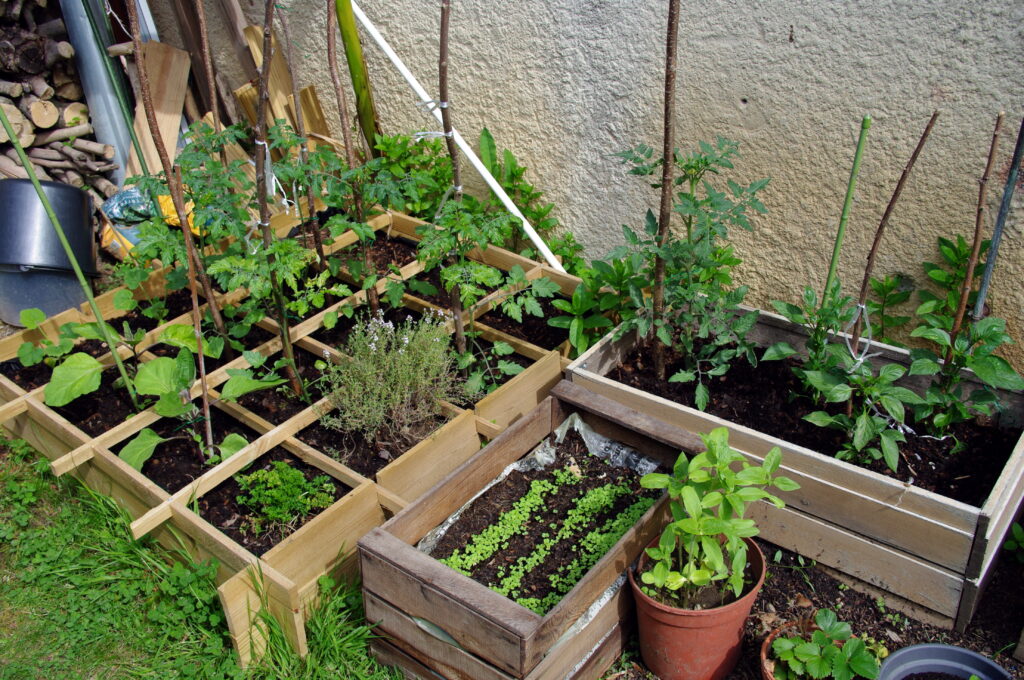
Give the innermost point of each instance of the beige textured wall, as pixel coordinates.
(565, 83)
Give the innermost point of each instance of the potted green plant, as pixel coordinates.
(697, 582)
(822, 647)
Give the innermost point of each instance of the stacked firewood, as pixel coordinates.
(41, 94)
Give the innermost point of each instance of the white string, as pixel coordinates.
(864, 356)
(429, 105)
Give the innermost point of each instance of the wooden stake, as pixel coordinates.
(979, 223)
(174, 184)
(665, 208)
(446, 121)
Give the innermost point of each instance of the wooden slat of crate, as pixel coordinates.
(523, 392)
(280, 85)
(484, 624)
(870, 561)
(599, 643)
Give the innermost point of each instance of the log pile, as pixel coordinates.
(41, 94)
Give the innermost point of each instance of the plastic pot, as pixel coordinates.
(34, 269)
(686, 644)
(935, 658)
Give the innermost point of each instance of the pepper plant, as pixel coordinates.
(702, 547)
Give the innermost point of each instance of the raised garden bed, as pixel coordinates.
(436, 621)
(932, 550)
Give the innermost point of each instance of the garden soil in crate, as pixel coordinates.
(936, 551)
(435, 620)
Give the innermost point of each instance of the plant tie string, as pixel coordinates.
(430, 134)
(861, 310)
(431, 104)
(444, 199)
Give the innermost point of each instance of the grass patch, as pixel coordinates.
(79, 598)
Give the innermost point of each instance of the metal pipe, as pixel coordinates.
(466, 149)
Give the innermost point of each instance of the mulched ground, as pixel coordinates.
(177, 462)
(767, 399)
(792, 591)
(486, 509)
(220, 508)
(359, 454)
(533, 329)
(279, 404)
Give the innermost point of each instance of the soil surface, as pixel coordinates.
(279, 404)
(533, 329)
(179, 302)
(384, 253)
(792, 591)
(359, 454)
(177, 462)
(29, 378)
(594, 472)
(220, 507)
(441, 298)
(768, 398)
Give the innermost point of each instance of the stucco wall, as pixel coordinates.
(565, 83)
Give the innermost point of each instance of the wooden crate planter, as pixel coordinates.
(929, 549)
(486, 636)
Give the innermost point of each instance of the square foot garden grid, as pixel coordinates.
(283, 579)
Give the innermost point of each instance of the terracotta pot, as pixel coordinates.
(686, 644)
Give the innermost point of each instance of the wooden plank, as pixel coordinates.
(418, 469)
(324, 462)
(591, 650)
(232, 555)
(433, 652)
(11, 409)
(167, 68)
(522, 393)
(452, 492)
(481, 621)
(1004, 501)
(867, 560)
(325, 540)
(242, 607)
(280, 85)
(389, 655)
(247, 96)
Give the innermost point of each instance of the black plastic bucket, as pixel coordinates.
(936, 658)
(34, 269)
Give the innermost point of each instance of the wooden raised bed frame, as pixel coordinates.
(931, 550)
(496, 638)
(283, 581)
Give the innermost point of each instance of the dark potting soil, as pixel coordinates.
(594, 472)
(179, 302)
(336, 337)
(353, 450)
(220, 507)
(793, 591)
(279, 404)
(768, 398)
(441, 298)
(29, 378)
(533, 329)
(177, 462)
(385, 253)
(107, 407)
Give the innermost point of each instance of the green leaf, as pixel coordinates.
(779, 350)
(488, 150)
(863, 431)
(242, 383)
(502, 348)
(232, 444)
(691, 501)
(124, 300)
(31, 318)
(140, 448)
(924, 367)
(180, 335)
(820, 418)
(254, 358)
(996, 371)
(890, 451)
(891, 372)
(785, 484)
(936, 335)
(170, 405)
(509, 367)
(331, 319)
(29, 354)
(159, 376)
(77, 375)
(701, 396)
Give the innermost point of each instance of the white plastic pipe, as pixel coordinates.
(466, 149)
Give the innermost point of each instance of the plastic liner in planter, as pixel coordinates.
(34, 269)
(615, 453)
